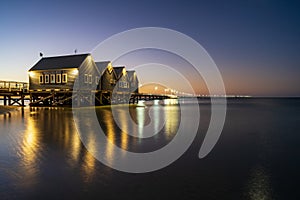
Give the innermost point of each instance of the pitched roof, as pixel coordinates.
(130, 72)
(60, 62)
(102, 66)
(118, 70)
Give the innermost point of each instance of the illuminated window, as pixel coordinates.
(90, 79)
(47, 78)
(41, 79)
(86, 77)
(64, 78)
(52, 78)
(58, 78)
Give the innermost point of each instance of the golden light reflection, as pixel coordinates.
(107, 115)
(124, 127)
(172, 115)
(75, 147)
(30, 143)
(140, 112)
(29, 152)
(156, 114)
(89, 160)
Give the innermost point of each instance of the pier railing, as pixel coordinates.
(13, 86)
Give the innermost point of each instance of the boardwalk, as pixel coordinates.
(13, 92)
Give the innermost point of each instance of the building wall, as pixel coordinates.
(35, 84)
(87, 75)
(122, 85)
(107, 81)
(133, 83)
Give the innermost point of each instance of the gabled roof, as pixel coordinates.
(119, 70)
(101, 66)
(60, 62)
(130, 73)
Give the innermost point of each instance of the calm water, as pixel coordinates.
(256, 157)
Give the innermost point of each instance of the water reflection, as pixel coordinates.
(30, 145)
(89, 161)
(259, 187)
(46, 139)
(41, 155)
(172, 117)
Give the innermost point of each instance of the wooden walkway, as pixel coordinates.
(13, 92)
(148, 97)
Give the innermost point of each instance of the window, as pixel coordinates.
(41, 79)
(64, 78)
(123, 84)
(52, 78)
(86, 78)
(97, 80)
(58, 78)
(90, 79)
(47, 78)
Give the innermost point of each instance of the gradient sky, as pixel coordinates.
(255, 43)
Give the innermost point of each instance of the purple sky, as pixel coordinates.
(255, 43)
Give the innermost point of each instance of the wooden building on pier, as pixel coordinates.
(62, 79)
(52, 79)
(133, 81)
(106, 82)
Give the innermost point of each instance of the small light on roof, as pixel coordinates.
(75, 72)
(31, 74)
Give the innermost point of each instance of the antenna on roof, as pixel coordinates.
(41, 54)
(75, 51)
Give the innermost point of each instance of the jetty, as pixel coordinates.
(14, 93)
(75, 80)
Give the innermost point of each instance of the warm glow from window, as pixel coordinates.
(41, 78)
(58, 78)
(64, 78)
(52, 78)
(47, 78)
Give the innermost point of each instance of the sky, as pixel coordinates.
(254, 43)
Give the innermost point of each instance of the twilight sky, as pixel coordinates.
(255, 43)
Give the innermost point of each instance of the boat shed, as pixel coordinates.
(52, 79)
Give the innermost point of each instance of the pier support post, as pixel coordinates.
(5, 100)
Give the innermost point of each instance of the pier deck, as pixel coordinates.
(13, 92)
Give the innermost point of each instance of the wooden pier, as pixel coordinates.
(135, 97)
(13, 92)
